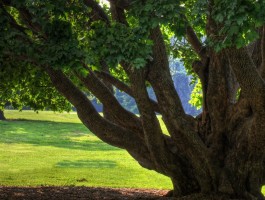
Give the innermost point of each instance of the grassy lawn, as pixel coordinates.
(56, 149)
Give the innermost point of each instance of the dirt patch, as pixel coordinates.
(92, 193)
(80, 193)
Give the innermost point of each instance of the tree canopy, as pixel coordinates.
(27, 87)
(81, 47)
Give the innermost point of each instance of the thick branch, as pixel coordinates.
(255, 50)
(108, 132)
(117, 112)
(152, 130)
(107, 111)
(123, 87)
(114, 81)
(13, 22)
(248, 77)
(105, 130)
(123, 4)
(163, 158)
(162, 83)
(180, 126)
(263, 53)
(118, 13)
(195, 43)
(89, 115)
(98, 12)
(27, 18)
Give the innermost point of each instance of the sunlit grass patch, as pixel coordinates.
(56, 149)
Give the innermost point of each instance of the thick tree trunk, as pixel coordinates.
(2, 116)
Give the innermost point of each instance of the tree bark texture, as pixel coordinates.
(222, 151)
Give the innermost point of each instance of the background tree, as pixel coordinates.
(23, 87)
(81, 44)
(2, 116)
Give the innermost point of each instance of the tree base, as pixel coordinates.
(206, 197)
(169, 194)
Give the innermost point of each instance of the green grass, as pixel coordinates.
(56, 149)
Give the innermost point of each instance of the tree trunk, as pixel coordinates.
(2, 116)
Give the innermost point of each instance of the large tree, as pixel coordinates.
(2, 116)
(85, 45)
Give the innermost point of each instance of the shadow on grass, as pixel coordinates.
(86, 164)
(48, 133)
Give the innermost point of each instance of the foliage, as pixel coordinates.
(22, 84)
(63, 41)
(196, 96)
(117, 43)
(238, 22)
(68, 43)
(153, 13)
(29, 89)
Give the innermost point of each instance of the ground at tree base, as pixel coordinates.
(87, 193)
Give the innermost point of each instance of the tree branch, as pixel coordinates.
(106, 111)
(123, 4)
(120, 115)
(102, 128)
(13, 22)
(248, 77)
(118, 13)
(114, 81)
(162, 83)
(27, 17)
(152, 130)
(155, 140)
(98, 12)
(107, 131)
(181, 127)
(195, 43)
(123, 87)
(263, 53)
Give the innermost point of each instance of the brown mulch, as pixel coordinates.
(92, 193)
(80, 193)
